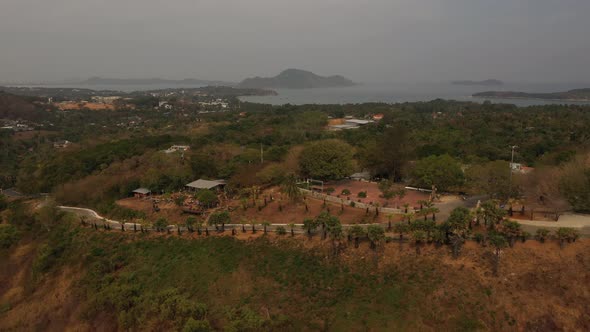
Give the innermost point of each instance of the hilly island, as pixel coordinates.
(571, 95)
(296, 79)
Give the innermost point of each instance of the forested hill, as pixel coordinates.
(571, 95)
(17, 107)
(296, 79)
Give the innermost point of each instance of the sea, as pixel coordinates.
(415, 92)
(374, 92)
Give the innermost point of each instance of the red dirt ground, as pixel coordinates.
(373, 193)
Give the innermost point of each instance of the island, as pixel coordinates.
(490, 82)
(571, 95)
(296, 79)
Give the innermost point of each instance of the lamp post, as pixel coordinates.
(511, 165)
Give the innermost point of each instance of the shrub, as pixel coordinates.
(478, 237)
(542, 234)
(346, 192)
(330, 190)
(362, 194)
(281, 230)
(9, 235)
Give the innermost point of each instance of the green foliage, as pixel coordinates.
(357, 231)
(290, 188)
(310, 224)
(493, 179)
(458, 221)
(362, 194)
(497, 240)
(567, 233)
(9, 235)
(219, 218)
(444, 172)
(345, 192)
(161, 224)
(574, 185)
(327, 160)
(281, 230)
(376, 234)
(206, 197)
(542, 234)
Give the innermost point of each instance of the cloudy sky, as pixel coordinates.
(365, 40)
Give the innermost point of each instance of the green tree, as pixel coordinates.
(566, 234)
(511, 230)
(220, 218)
(161, 224)
(207, 198)
(493, 179)
(401, 228)
(310, 225)
(542, 234)
(492, 213)
(290, 188)
(193, 325)
(498, 242)
(574, 185)
(444, 172)
(328, 159)
(356, 232)
(376, 235)
(419, 237)
(388, 154)
(190, 223)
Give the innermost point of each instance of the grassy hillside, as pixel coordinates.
(82, 279)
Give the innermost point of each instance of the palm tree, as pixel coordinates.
(498, 241)
(542, 234)
(356, 232)
(401, 228)
(419, 237)
(389, 217)
(161, 224)
(199, 223)
(290, 188)
(512, 230)
(243, 222)
(406, 206)
(265, 224)
(190, 221)
(253, 223)
(310, 225)
(410, 217)
(566, 234)
(376, 235)
(292, 226)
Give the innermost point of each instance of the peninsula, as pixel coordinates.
(571, 95)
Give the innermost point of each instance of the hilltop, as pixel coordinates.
(571, 95)
(489, 82)
(296, 79)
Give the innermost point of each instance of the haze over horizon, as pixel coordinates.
(380, 41)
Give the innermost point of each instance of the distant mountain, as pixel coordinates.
(148, 81)
(571, 95)
(483, 83)
(296, 79)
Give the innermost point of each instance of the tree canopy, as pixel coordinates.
(330, 159)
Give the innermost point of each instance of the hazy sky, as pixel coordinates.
(371, 40)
